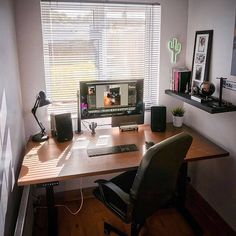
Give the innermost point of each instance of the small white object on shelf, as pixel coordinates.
(196, 98)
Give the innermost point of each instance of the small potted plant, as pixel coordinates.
(178, 116)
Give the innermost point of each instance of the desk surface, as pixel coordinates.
(52, 161)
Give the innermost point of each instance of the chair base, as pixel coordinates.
(110, 228)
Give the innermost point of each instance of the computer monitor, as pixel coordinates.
(109, 98)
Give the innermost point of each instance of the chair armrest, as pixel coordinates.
(118, 191)
(123, 196)
(114, 188)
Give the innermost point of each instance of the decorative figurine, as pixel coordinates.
(93, 126)
(207, 89)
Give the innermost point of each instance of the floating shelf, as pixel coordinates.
(208, 106)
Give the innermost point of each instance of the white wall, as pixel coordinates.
(215, 179)
(11, 120)
(174, 18)
(30, 48)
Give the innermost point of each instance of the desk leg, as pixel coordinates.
(182, 190)
(52, 211)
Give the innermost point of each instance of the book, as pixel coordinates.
(176, 81)
(181, 80)
(184, 81)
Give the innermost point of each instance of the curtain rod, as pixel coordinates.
(107, 1)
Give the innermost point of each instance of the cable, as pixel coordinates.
(104, 124)
(83, 121)
(66, 207)
(85, 125)
(81, 203)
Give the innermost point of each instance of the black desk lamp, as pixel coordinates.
(41, 100)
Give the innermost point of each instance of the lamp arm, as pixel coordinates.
(36, 105)
(40, 124)
(34, 109)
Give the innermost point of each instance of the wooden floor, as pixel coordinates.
(89, 222)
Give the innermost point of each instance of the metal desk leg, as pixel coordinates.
(182, 190)
(52, 211)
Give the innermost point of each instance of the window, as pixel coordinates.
(98, 41)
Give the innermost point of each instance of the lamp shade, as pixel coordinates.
(43, 100)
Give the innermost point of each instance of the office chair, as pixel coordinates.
(136, 195)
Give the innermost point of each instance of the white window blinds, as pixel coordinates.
(98, 41)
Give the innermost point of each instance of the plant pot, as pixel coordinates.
(178, 121)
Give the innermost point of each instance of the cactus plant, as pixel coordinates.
(175, 47)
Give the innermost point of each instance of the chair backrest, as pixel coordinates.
(156, 178)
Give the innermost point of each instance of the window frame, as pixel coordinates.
(147, 82)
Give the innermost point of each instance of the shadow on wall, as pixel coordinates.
(233, 65)
(7, 173)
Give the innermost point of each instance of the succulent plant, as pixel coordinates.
(178, 111)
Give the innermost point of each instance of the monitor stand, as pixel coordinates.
(117, 121)
(128, 127)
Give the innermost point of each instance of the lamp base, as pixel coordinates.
(40, 137)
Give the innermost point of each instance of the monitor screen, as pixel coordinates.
(110, 98)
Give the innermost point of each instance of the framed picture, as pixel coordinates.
(201, 57)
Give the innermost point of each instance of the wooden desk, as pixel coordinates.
(52, 161)
(49, 162)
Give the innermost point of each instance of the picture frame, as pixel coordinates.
(201, 58)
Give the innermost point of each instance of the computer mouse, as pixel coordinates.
(149, 144)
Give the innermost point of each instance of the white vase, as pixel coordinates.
(178, 121)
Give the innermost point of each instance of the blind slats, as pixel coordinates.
(97, 41)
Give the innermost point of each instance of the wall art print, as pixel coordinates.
(201, 57)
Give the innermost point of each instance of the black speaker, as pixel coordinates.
(61, 127)
(158, 118)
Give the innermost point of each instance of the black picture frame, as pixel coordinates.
(201, 57)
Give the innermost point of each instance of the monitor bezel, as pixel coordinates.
(139, 106)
